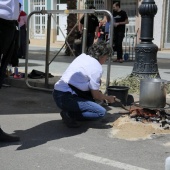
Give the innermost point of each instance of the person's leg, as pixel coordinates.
(7, 32)
(78, 49)
(115, 44)
(119, 46)
(19, 54)
(68, 119)
(14, 59)
(90, 39)
(78, 107)
(23, 42)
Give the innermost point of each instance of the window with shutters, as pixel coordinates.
(39, 20)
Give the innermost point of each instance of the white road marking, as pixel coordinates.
(106, 161)
(98, 159)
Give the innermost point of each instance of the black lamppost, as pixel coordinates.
(145, 65)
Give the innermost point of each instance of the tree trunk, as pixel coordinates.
(71, 21)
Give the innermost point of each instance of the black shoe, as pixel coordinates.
(4, 137)
(70, 122)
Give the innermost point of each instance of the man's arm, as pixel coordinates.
(97, 95)
(124, 23)
(80, 27)
(81, 24)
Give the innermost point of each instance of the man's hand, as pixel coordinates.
(116, 24)
(98, 95)
(111, 99)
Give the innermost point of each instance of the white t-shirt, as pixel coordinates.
(9, 9)
(84, 73)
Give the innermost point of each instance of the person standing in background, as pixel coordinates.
(107, 28)
(121, 19)
(22, 20)
(93, 28)
(101, 31)
(9, 12)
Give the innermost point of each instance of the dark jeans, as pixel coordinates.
(118, 39)
(78, 107)
(7, 43)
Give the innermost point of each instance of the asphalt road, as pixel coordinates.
(46, 143)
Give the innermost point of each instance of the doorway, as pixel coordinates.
(39, 20)
(61, 20)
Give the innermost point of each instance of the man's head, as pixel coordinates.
(92, 7)
(99, 50)
(116, 6)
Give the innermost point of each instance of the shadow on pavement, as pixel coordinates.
(56, 129)
(26, 101)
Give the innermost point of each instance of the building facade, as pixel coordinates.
(38, 22)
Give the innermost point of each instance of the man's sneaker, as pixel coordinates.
(4, 137)
(70, 122)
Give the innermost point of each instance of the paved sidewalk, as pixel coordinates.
(57, 67)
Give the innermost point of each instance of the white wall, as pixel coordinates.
(158, 23)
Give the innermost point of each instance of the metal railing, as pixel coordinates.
(47, 63)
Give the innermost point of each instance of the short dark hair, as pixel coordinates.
(117, 4)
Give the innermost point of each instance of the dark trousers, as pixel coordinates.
(90, 39)
(78, 49)
(14, 59)
(22, 48)
(7, 36)
(118, 39)
(78, 107)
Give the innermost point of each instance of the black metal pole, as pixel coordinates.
(145, 65)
